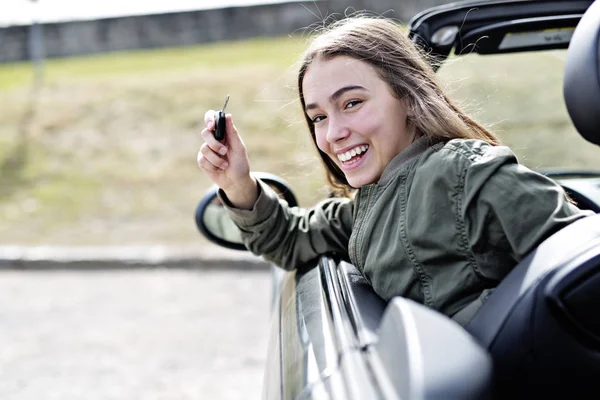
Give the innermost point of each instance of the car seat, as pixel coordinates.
(542, 323)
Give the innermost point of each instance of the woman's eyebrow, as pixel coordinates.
(336, 95)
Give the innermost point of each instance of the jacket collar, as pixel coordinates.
(415, 149)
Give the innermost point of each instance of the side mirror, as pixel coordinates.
(214, 222)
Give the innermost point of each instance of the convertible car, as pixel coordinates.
(537, 335)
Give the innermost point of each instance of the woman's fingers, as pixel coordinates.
(209, 139)
(209, 119)
(205, 165)
(210, 159)
(217, 156)
(208, 133)
(234, 140)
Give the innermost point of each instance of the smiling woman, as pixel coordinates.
(440, 212)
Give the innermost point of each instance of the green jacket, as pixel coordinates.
(444, 224)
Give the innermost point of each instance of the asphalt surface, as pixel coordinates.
(132, 333)
(120, 257)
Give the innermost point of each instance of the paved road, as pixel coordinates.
(132, 334)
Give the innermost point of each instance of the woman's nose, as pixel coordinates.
(337, 131)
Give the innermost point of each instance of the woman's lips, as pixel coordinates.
(353, 159)
(348, 155)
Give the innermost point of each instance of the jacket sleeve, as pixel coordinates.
(291, 236)
(510, 209)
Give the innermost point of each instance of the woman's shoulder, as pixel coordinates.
(454, 159)
(466, 152)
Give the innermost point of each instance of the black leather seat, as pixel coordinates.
(581, 83)
(542, 324)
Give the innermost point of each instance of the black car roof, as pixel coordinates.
(490, 27)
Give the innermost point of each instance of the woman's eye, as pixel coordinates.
(318, 118)
(353, 103)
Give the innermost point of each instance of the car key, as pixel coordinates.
(220, 123)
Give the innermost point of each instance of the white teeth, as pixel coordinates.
(351, 153)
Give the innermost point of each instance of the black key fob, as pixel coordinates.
(220, 123)
(220, 126)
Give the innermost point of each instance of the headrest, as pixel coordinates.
(581, 85)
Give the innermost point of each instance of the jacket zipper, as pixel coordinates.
(361, 218)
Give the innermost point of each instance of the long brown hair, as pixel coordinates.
(399, 62)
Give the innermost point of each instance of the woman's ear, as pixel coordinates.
(408, 107)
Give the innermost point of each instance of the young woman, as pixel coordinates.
(442, 211)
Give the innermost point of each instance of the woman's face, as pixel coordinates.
(358, 123)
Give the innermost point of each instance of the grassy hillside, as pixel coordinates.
(105, 151)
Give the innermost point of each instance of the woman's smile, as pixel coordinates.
(352, 158)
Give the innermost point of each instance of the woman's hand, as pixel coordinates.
(226, 163)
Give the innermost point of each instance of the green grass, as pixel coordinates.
(223, 55)
(105, 153)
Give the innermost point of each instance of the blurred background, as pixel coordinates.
(101, 106)
(100, 113)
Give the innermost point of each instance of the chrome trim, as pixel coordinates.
(361, 379)
(313, 346)
(342, 322)
(363, 334)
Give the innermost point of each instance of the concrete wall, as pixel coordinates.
(187, 28)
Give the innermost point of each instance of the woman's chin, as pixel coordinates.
(361, 172)
(358, 180)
